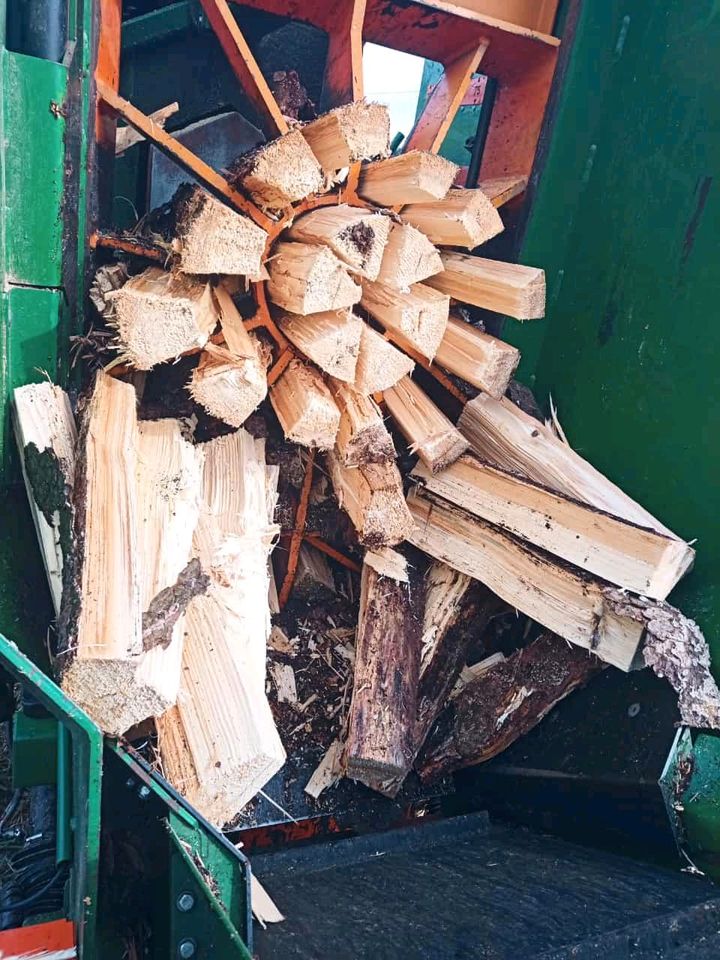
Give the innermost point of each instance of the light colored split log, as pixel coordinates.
(464, 218)
(356, 236)
(388, 563)
(354, 131)
(502, 434)
(159, 315)
(227, 387)
(210, 237)
(306, 278)
(46, 438)
(412, 177)
(379, 363)
(305, 407)
(409, 257)
(638, 559)
(372, 496)
(503, 189)
(419, 316)
(330, 339)
(567, 602)
(506, 288)
(279, 173)
(444, 592)
(427, 430)
(363, 436)
(313, 577)
(476, 357)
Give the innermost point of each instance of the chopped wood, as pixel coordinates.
(503, 189)
(278, 173)
(501, 433)
(502, 704)
(564, 600)
(427, 430)
(363, 436)
(305, 407)
(354, 131)
(372, 496)
(330, 339)
(463, 218)
(381, 721)
(313, 578)
(419, 316)
(408, 258)
(379, 363)
(210, 237)
(412, 177)
(388, 563)
(46, 438)
(355, 235)
(228, 387)
(159, 315)
(126, 137)
(278, 641)
(506, 288)
(263, 906)
(307, 278)
(481, 360)
(445, 589)
(635, 558)
(284, 679)
(476, 670)
(328, 771)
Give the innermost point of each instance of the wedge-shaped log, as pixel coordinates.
(500, 190)
(504, 703)
(305, 407)
(476, 357)
(505, 436)
(159, 315)
(362, 436)
(632, 557)
(212, 238)
(356, 236)
(464, 218)
(412, 177)
(278, 173)
(419, 316)
(409, 257)
(563, 599)
(507, 288)
(379, 363)
(330, 339)
(307, 278)
(354, 131)
(381, 721)
(427, 430)
(372, 496)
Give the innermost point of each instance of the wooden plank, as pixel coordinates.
(536, 15)
(502, 190)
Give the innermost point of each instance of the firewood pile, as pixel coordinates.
(297, 499)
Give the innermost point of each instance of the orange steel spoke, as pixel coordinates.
(137, 248)
(315, 541)
(441, 378)
(343, 79)
(245, 67)
(107, 69)
(278, 368)
(265, 320)
(181, 155)
(445, 100)
(298, 531)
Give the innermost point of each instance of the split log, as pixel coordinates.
(505, 702)
(356, 236)
(305, 407)
(159, 315)
(372, 496)
(46, 438)
(362, 436)
(501, 433)
(330, 339)
(419, 316)
(278, 173)
(412, 177)
(463, 218)
(427, 430)
(563, 599)
(481, 360)
(501, 190)
(408, 258)
(354, 131)
(305, 278)
(313, 577)
(388, 563)
(506, 288)
(632, 557)
(379, 363)
(381, 721)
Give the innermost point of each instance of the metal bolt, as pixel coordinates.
(144, 792)
(130, 783)
(186, 949)
(634, 710)
(185, 902)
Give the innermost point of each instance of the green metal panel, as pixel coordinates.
(34, 750)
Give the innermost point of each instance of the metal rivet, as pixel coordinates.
(144, 792)
(185, 902)
(634, 709)
(186, 949)
(130, 783)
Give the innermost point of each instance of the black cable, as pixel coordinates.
(17, 905)
(11, 808)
